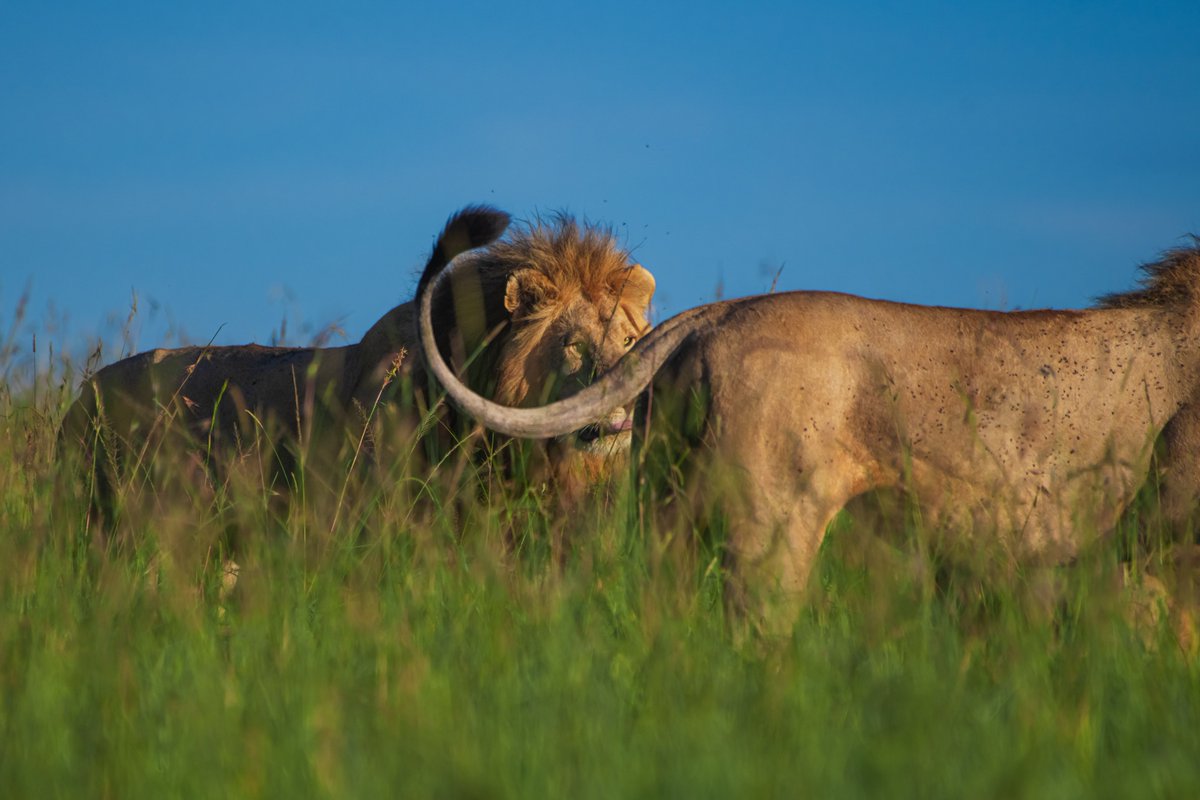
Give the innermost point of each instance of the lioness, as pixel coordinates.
(1024, 431)
(549, 306)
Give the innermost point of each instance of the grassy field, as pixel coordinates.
(400, 652)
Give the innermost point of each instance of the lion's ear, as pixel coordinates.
(638, 288)
(523, 292)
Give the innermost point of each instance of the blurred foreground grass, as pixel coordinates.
(419, 656)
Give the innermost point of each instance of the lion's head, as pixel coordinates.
(575, 302)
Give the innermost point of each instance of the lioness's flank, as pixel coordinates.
(1021, 430)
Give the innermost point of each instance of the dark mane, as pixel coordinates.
(1173, 280)
(570, 256)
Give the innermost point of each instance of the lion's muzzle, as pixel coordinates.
(618, 423)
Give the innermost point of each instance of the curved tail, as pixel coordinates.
(615, 388)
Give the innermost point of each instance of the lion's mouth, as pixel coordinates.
(617, 423)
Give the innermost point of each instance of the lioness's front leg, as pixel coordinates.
(775, 539)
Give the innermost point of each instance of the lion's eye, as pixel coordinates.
(629, 340)
(578, 347)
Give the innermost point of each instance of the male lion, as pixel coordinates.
(552, 304)
(1021, 431)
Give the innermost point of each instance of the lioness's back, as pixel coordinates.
(199, 387)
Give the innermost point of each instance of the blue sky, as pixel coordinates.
(235, 166)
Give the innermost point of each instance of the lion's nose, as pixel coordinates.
(606, 363)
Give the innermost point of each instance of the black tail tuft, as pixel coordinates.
(1172, 281)
(470, 227)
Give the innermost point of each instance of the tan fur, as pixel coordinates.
(1021, 435)
(572, 278)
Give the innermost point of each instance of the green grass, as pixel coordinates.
(406, 655)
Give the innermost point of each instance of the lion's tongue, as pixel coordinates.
(626, 424)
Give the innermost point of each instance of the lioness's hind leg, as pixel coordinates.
(1180, 468)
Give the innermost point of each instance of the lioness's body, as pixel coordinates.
(985, 416)
(212, 387)
(1034, 428)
